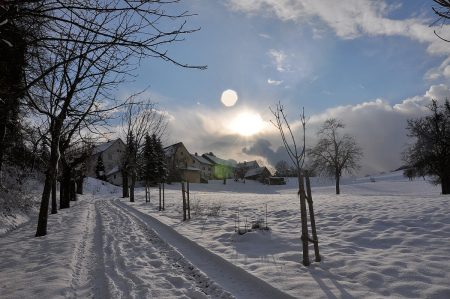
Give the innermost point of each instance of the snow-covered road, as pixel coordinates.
(102, 248)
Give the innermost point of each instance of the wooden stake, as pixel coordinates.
(164, 202)
(188, 202)
(159, 188)
(312, 219)
(184, 200)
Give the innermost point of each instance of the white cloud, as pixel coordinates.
(442, 71)
(274, 82)
(348, 19)
(279, 59)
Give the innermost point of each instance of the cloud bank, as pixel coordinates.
(378, 126)
(348, 19)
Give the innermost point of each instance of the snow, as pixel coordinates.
(388, 238)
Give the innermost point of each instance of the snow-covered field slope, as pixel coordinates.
(388, 238)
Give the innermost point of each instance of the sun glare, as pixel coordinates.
(247, 124)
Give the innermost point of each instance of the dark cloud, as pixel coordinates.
(262, 148)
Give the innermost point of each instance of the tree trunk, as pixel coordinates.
(49, 178)
(73, 189)
(64, 201)
(80, 185)
(304, 220)
(133, 183)
(2, 141)
(445, 184)
(338, 178)
(125, 189)
(54, 205)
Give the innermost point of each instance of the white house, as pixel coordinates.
(111, 153)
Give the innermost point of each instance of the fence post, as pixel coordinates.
(183, 191)
(159, 187)
(188, 202)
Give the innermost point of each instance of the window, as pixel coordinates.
(114, 176)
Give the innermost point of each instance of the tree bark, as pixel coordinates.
(80, 185)
(73, 189)
(54, 204)
(304, 220)
(125, 189)
(65, 185)
(445, 184)
(133, 183)
(338, 178)
(49, 178)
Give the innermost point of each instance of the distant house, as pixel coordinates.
(206, 167)
(258, 174)
(111, 153)
(180, 164)
(222, 169)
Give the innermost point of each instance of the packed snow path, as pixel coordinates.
(105, 249)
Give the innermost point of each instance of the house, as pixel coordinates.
(259, 174)
(222, 169)
(206, 167)
(180, 164)
(111, 153)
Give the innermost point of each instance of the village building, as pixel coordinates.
(222, 169)
(261, 174)
(111, 153)
(252, 171)
(180, 164)
(206, 167)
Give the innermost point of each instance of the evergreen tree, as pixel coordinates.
(161, 165)
(100, 169)
(150, 163)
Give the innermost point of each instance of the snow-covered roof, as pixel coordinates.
(172, 149)
(217, 160)
(255, 171)
(103, 147)
(201, 159)
(249, 164)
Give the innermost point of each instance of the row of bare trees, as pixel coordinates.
(64, 61)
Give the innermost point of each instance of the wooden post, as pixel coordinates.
(146, 191)
(312, 219)
(188, 202)
(184, 201)
(163, 200)
(159, 185)
(304, 220)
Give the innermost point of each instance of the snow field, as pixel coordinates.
(388, 238)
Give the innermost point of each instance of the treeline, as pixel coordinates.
(60, 64)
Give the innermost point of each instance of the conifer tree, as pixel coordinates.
(100, 169)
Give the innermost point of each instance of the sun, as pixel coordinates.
(229, 98)
(247, 124)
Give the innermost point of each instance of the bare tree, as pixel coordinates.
(30, 29)
(334, 154)
(430, 153)
(138, 120)
(297, 153)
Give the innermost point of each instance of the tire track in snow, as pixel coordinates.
(139, 264)
(234, 279)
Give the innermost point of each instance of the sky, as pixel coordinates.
(370, 64)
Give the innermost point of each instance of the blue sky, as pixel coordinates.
(339, 59)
